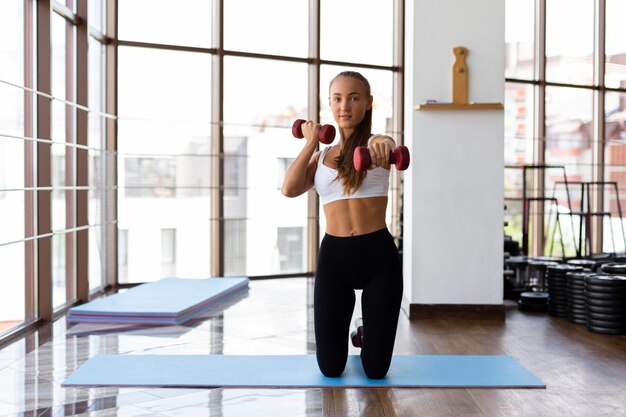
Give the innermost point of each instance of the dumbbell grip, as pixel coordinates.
(326, 133)
(399, 157)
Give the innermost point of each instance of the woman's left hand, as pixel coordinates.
(380, 152)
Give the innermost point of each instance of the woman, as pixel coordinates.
(357, 251)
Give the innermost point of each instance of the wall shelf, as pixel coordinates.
(459, 88)
(459, 106)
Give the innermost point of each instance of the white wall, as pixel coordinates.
(454, 187)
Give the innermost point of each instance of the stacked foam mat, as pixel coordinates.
(168, 301)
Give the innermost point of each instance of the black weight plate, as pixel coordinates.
(577, 315)
(604, 330)
(558, 294)
(601, 289)
(576, 306)
(532, 307)
(574, 298)
(582, 262)
(577, 309)
(607, 280)
(557, 313)
(534, 297)
(575, 288)
(576, 276)
(607, 317)
(614, 268)
(577, 321)
(556, 278)
(576, 302)
(605, 310)
(605, 303)
(565, 268)
(606, 296)
(517, 261)
(607, 324)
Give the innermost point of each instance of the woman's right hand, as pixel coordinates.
(311, 131)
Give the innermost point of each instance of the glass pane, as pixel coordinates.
(357, 31)
(518, 150)
(95, 9)
(58, 269)
(257, 141)
(164, 161)
(95, 140)
(11, 163)
(278, 27)
(12, 298)
(615, 45)
(96, 86)
(12, 41)
(569, 41)
(58, 162)
(164, 85)
(96, 257)
(520, 39)
(184, 22)
(615, 162)
(569, 137)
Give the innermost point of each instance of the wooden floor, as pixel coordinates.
(585, 373)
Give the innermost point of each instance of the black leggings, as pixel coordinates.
(369, 262)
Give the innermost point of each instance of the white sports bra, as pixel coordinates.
(375, 183)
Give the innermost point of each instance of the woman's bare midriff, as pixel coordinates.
(356, 216)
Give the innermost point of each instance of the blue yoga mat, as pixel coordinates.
(168, 301)
(294, 371)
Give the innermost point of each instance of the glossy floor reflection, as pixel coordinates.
(585, 372)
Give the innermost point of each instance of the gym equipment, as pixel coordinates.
(557, 287)
(357, 335)
(399, 157)
(605, 301)
(168, 301)
(575, 293)
(326, 134)
(536, 301)
(296, 371)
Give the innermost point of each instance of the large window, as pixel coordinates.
(201, 121)
(12, 166)
(52, 158)
(565, 123)
(141, 139)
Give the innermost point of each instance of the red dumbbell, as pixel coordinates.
(326, 134)
(399, 157)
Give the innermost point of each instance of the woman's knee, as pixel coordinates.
(375, 370)
(331, 368)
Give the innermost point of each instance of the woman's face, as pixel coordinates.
(349, 101)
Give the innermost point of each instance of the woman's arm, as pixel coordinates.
(301, 173)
